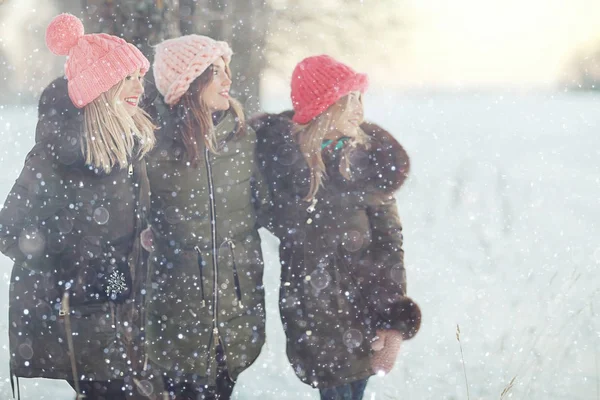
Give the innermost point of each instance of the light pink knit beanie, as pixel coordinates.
(96, 62)
(177, 62)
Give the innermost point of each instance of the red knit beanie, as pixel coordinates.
(318, 82)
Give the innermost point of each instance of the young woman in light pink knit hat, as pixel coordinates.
(343, 298)
(206, 315)
(72, 221)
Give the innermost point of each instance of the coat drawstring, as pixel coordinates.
(14, 378)
(112, 315)
(65, 312)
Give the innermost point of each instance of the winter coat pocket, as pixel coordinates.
(92, 327)
(91, 340)
(236, 278)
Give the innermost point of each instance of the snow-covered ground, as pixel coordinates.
(501, 231)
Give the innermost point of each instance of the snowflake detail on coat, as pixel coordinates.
(116, 284)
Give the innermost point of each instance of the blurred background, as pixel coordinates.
(402, 44)
(497, 104)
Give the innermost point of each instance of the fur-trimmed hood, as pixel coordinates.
(61, 127)
(60, 124)
(383, 164)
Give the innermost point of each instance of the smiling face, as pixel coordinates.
(352, 113)
(131, 92)
(216, 94)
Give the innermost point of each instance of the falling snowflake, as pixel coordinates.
(116, 284)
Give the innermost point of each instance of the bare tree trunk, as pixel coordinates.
(188, 17)
(142, 22)
(248, 42)
(145, 23)
(242, 24)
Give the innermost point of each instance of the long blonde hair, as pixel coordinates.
(198, 130)
(310, 137)
(110, 133)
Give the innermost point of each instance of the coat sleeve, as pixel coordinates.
(385, 284)
(31, 208)
(261, 195)
(261, 198)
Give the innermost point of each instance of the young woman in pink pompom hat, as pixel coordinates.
(206, 314)
(332, 177)
(72, 221)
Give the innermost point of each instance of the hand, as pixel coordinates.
(386, 347)
(147, 239)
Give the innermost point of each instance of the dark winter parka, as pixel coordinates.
(342, 262)
(207, 266)
(72, 232)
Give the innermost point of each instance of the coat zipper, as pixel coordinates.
(236, 279)
(213, 232)
(140, 218)
(199, 255)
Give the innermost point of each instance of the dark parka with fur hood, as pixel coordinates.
(342, 262)
(73, 232)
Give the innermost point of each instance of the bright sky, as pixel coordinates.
(446, 43)
(493, 42)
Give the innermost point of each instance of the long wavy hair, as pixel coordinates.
(197, 129)
(111, 135)
(310, 136)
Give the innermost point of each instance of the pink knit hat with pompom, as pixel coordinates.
(177, 62)
(318, 82)
(96, 62)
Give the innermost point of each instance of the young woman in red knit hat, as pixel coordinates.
(72, 220)
(332, 179)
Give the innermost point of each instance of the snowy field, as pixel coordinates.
(500, 219)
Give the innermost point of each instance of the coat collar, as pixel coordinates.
(383, 164)
(167, 136)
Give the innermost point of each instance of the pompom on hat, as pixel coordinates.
(96, 62)
(318, 82)
(177, 62)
